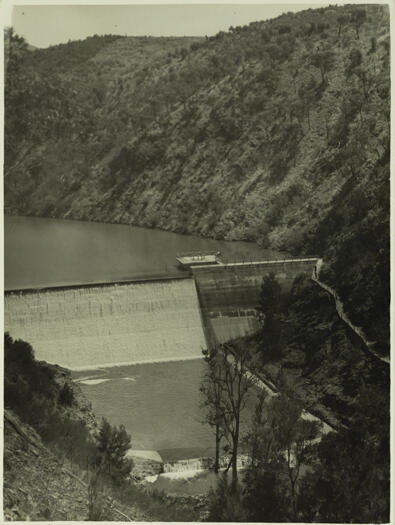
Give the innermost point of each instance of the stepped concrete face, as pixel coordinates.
(229, 294)
(109, 325)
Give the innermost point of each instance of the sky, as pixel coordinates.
(44, 25)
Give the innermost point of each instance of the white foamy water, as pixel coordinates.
(153, 455)
(83, 328)
(93, 381)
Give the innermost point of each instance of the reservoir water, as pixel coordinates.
(40, 252)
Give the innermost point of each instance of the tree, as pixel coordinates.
(274, 329)
(355, 58)
(296, 110)
(36, 107)
(365, 80)
(66, 395)
(233, 379)
(350, 481)
(358, 17)
(113, 444)
(352, 156)
(324, 61)
(274, 52)
(294, 435)
(279, 442)
(270, 298)
(342, 20)
(348, 484)
(211, 390)
(307, 95)
(18, 354)
(15, 48)
(225, 502)
(96, 496)
(294, 74)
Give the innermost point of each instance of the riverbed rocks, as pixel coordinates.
(143, 468)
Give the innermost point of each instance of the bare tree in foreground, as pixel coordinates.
(225, 387)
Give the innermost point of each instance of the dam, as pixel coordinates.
(81, 327)
(110, 304)
(107, 325)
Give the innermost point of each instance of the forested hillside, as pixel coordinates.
(276, 132)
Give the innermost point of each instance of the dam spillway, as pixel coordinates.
(108, 325)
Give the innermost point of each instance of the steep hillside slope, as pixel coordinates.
(307, 344)
(38, 485)
(308, 351)
(276, 132)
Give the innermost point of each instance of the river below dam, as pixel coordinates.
(158, 403)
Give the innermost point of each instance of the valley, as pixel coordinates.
(267, 144)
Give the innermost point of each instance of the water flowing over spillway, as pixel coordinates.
(109, 325)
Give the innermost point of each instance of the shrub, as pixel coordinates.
(66, 396)
(18, 354)
(225, 502)
(113, 444)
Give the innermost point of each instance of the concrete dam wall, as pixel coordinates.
(86, 327)
(229, 294)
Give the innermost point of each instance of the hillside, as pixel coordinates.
(40, 485)
(306, 345)
(276, 132)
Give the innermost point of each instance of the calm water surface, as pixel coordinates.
(48, 252)
(158, 403)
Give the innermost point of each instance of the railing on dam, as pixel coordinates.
(256, 264)
(176, 275)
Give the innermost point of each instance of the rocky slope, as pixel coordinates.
(322, 360)
(38, 485)
(276, 132)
